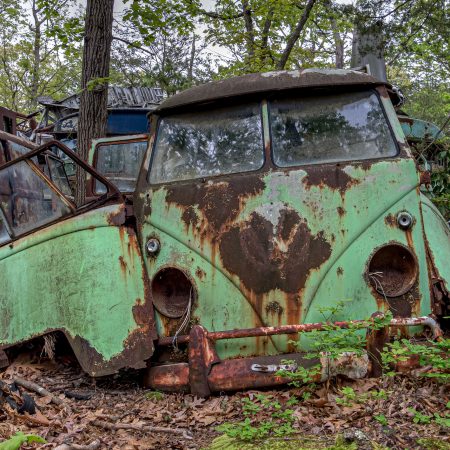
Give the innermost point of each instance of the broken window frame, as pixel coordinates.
(112, 193)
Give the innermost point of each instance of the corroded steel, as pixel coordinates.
(275, 246)
(206, 373)
(308, 327)
(268, 82)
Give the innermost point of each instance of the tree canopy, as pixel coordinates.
(174, 44)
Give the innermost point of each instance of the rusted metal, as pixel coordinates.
(307, 327)
(393, 269)
(202, 356)
(376, 340)
(206, 373)
(268, 82)
(425, 178)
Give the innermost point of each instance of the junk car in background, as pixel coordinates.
(261, 200)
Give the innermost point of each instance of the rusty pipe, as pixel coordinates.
(242, 373)
(415, 321)
(305, 328)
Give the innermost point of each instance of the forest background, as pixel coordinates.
(174, 44)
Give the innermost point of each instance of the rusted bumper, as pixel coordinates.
(206, 372)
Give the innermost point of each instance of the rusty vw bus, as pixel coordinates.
(261, 200)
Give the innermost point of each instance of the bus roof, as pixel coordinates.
(255, 83)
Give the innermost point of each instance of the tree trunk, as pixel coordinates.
(339, 46)
(190, 74)
(249, 31)
(94, 81)
(36, 54)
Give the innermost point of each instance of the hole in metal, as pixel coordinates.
(393, 270)
(171, 290)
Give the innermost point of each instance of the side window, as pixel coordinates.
(208, 143)
(120, 162)
(26, 200)
(344, 127)
(4, 233)
(58, 175)
(18, 150)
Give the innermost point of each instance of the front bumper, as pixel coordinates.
(205, 372)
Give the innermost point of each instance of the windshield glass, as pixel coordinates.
(208, 143)
(344, 127)
(120, 163)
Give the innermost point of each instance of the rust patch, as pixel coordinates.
(200, 274)
(340, 211)
(123, 265)
(189, 217)
(390, 220)
(117, 218)
(274, 307)
(253, 251)
(335, 179)
(219, 202)
(137, 348)
(142, 313)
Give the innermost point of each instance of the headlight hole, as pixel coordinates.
(392, 270)
(171, 291)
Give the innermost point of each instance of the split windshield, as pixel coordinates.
(303, 130)
(196, 145)
(327, 129)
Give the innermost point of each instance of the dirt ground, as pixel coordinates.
(117, 413)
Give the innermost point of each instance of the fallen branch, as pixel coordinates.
(130, 426)
(94, 445)
(35, 420)
(39, 390)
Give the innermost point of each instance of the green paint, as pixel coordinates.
(69, 276)
(223, 304)
(437, 233)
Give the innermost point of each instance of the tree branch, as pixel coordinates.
(215, 15)
(293, 38)
(133, 44)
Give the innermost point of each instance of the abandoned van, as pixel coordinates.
(262, 201)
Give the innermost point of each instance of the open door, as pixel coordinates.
(68, 267)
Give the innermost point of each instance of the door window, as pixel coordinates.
(120, 162)
(26, 199)
(4, 234)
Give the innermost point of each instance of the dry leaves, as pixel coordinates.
(120, 400)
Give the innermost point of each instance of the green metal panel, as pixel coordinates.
(437, 233)
(351, 220)
(416, 129)
(84, 276)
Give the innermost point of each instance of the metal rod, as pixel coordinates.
(307, 327)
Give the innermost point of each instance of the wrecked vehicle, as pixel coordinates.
(261, 200)
(119, 160)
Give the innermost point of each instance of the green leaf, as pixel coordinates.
(16, 441)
